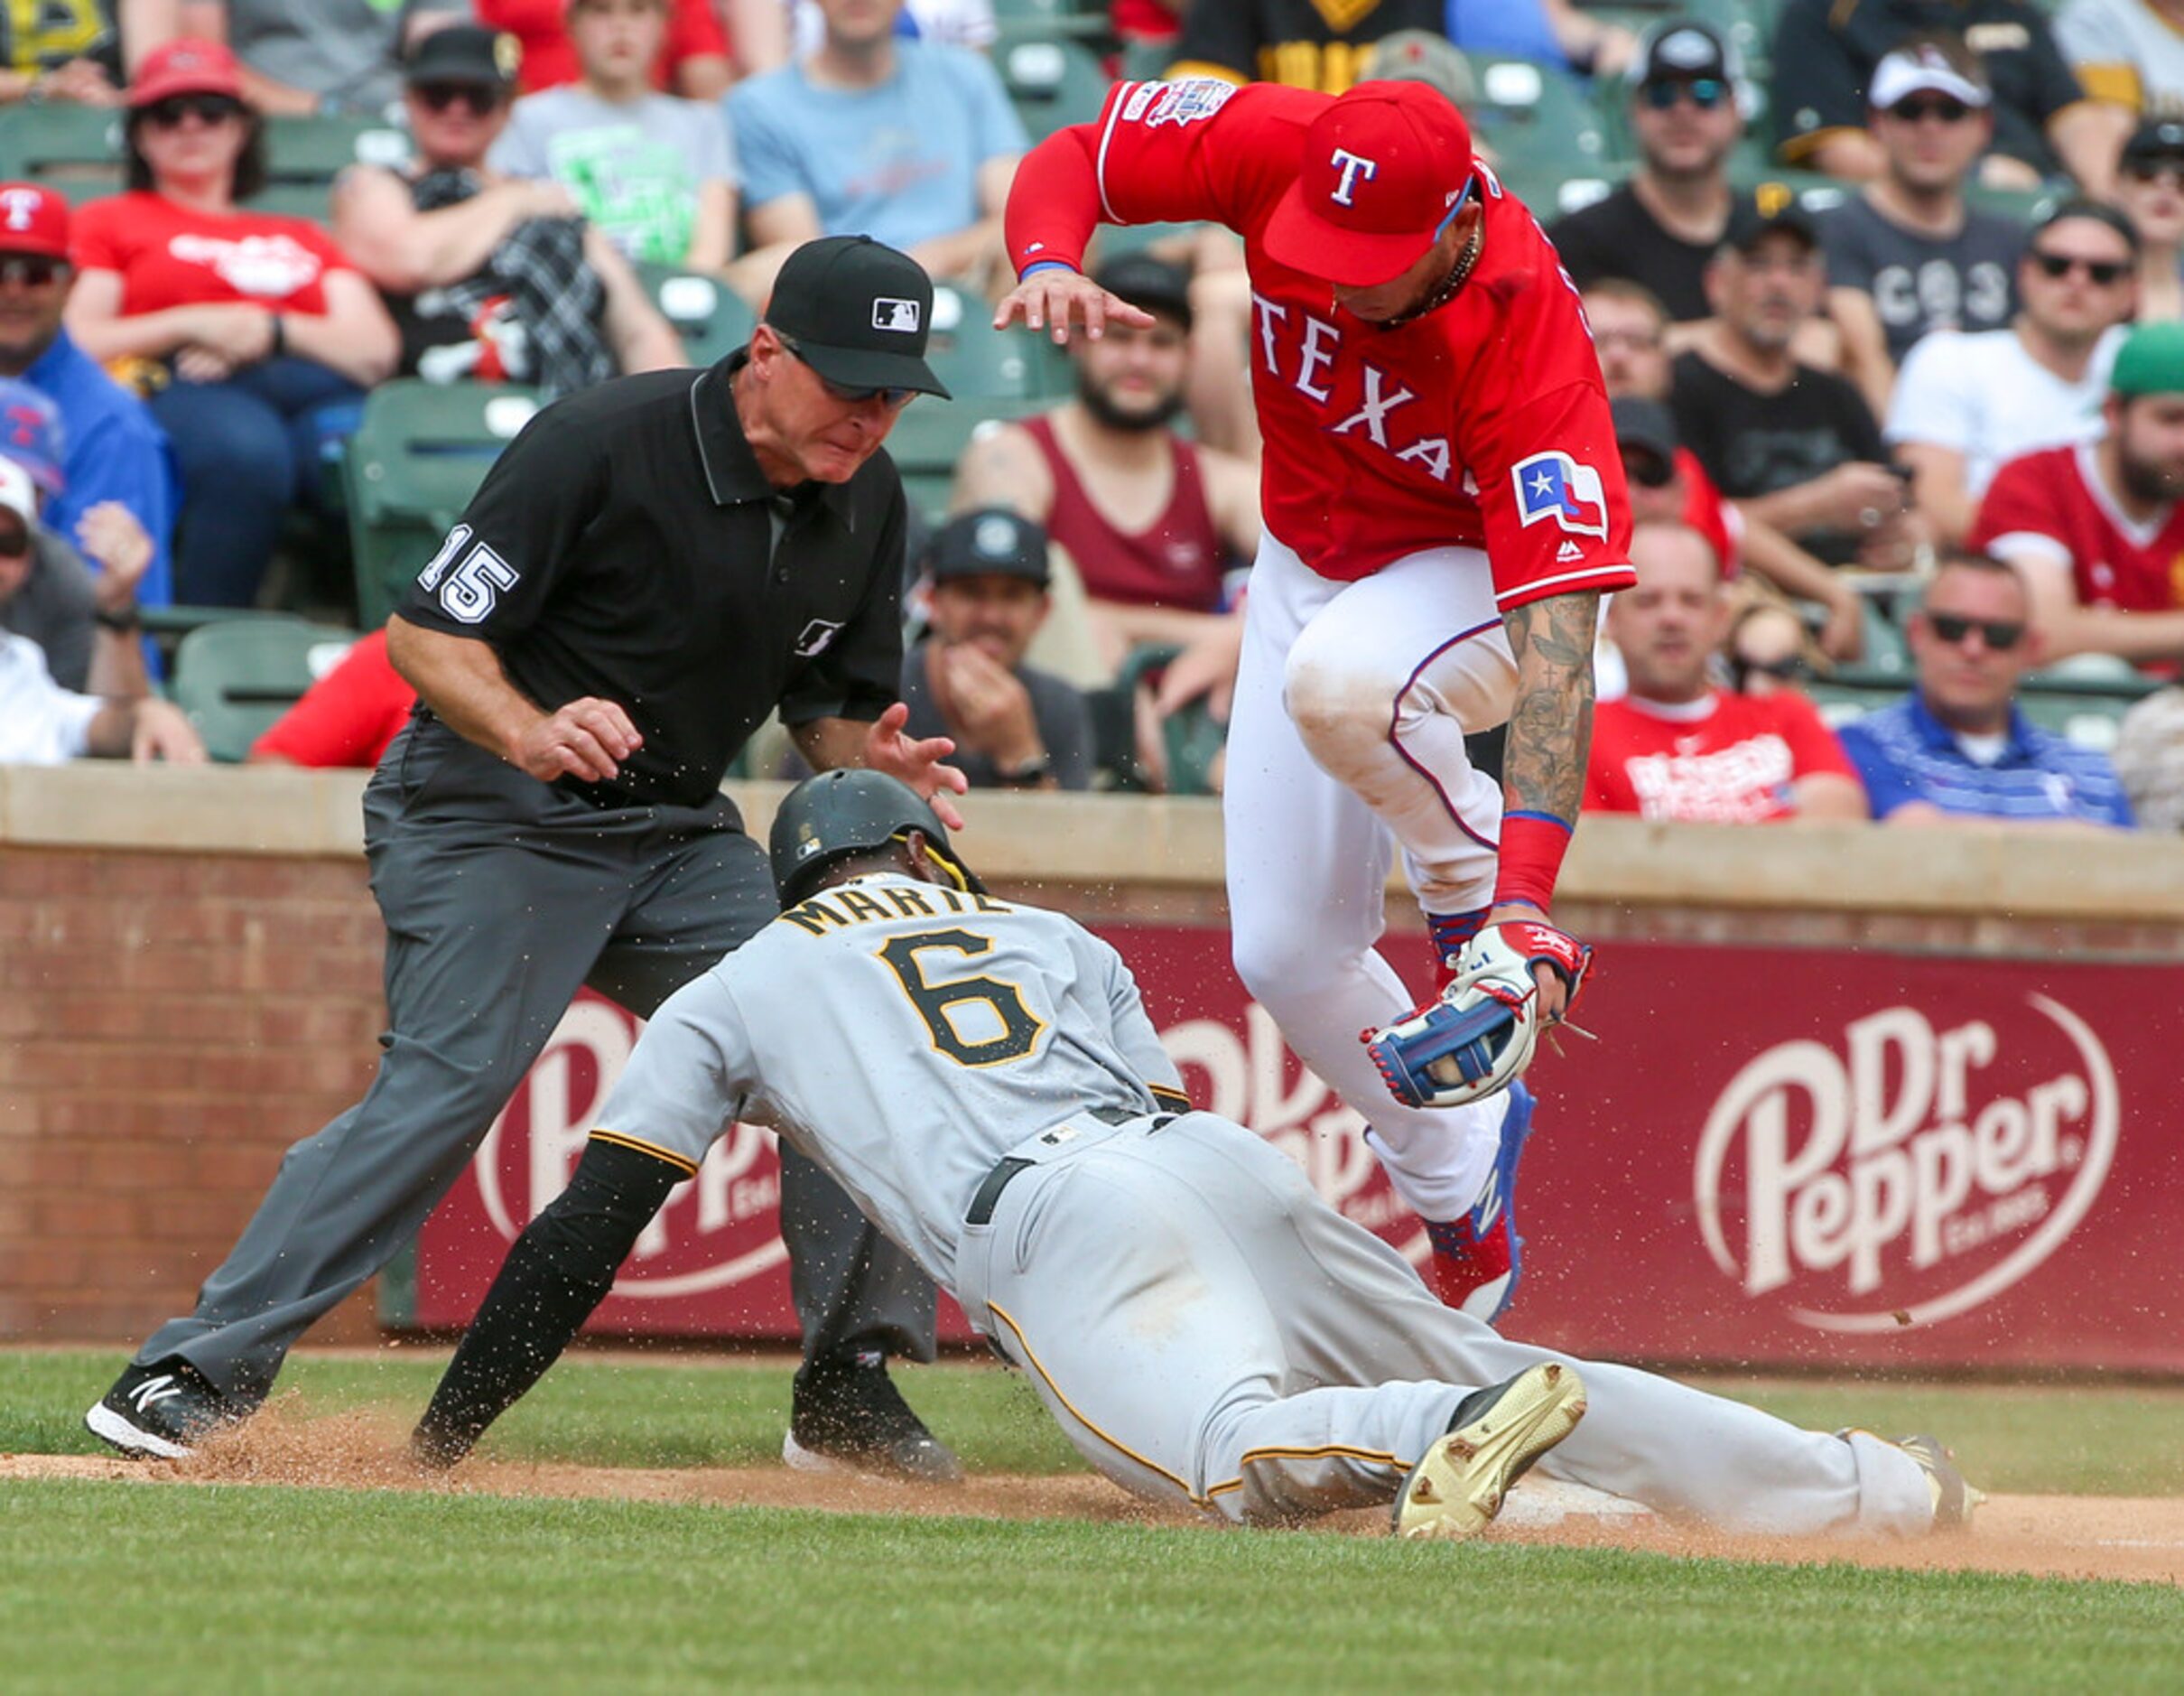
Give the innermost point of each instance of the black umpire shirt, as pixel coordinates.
(623, 546)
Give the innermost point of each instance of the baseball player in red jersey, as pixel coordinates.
(1444, 504)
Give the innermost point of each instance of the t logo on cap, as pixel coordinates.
(1352, 167)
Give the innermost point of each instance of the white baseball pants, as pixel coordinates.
(1346, 743)
(1205, 1328)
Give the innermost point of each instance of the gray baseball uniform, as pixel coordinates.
(982, 1076)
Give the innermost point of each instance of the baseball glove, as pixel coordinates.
(1477, 1036)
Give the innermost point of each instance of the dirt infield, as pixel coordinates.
(2138, 1539)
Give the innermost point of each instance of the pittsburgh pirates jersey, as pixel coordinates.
(1482, 423)
(887, 1016)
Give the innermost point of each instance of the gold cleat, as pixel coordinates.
(1493, 1437)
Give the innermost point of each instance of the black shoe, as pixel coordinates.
(848, 1415)
(159, 1410)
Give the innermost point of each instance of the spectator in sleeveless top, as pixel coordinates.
(255, 331)
(490, 277)
(1151, 521)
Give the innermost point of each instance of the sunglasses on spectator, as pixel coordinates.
(206, 109)
(893, 399)
(1938, 106)
(30, 270)
(1789, 668)
(2106, 272)
(1704, 92)
(15, 542)
(477, 98)
(1649, 471)
(2000, 635)
(2153, 170)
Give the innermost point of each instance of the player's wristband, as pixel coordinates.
(1037, 266)
(1532, 846)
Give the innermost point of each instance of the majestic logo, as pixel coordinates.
(1552, 485)
(816, 636)
(899, 316)
(1352, 167)
(1890, 1168)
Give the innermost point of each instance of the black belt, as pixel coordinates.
(1005, 1169)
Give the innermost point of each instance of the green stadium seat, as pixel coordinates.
(74, 150)
(319, 149)
(979, 362)
(235, 676)
(1052, 83)
(930, 437)
(712, 318)
(413, 463)
(2086, 719)
(1535, 118)
(1048, 20)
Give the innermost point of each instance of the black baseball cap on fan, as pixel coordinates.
(857, 313)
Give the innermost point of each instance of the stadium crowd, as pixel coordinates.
(1890, 299)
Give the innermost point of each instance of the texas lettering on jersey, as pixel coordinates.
(1380, 441)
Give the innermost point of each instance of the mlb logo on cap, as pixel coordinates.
(1552, 485)
(903, 317)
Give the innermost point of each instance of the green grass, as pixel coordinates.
(700, 1411)
(124, 1588)
(115, 1587)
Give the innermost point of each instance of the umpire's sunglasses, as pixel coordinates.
(893, 399)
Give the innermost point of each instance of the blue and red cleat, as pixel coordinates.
(1477, 1260)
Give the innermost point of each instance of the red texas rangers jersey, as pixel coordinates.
(2053, 504)
(1727, 759)
(1482, 424)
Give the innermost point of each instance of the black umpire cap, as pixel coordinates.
(852, 811)
(857, 312)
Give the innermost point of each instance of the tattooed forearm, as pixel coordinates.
(1550, 727)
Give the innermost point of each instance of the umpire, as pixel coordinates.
(651, 567)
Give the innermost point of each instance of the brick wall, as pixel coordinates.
(168, 1025)
(171, 1018)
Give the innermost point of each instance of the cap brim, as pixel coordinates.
(187, 82)
(1298, 238)
(866, 367)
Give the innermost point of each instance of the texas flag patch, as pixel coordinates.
(1552, 485)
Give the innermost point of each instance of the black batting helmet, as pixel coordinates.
(851, 811)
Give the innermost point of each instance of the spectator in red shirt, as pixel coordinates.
(258, 333)
(1677, 746)
(2097, 529)
(347, 718)
(693, 60)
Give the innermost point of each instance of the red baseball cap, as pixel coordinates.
(34, 220)
(188, 66)
(1382, 168)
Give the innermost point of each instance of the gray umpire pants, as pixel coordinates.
(501, 896)
(1206, 1328)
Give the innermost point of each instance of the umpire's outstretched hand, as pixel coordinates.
(916, 761)
(586, 739)
(1059, 297)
